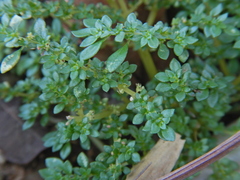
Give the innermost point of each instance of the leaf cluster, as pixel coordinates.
(60, 70)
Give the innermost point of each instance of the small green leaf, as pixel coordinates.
(154, 128)
(53, 162)
(131, 18)
(121, 158)
(82, 32)
(83, 75)
(167, 134)
(180, 96)
(10, 61)
(131, 143)
(217, 10)
(147, 126)
(130, 105)
(175, 85)
(232, 31)
(107, 21)
(178, 49)
(202, 94)
(143, 41)
(207, 31)
(83, 138)
(126, 170)
(56, 26)
(193, 29)
(120, 37)
(158, 100)
(88, 41)
(107, 149)
(116, 59)
(46, 173)
(153, 42)
(167, 112)
(82, 160)
(138, 119)
(106, 87)
(67, 167)
(184, 56)
(90, 51)
(222, 17)
(40, 28)
(162, 76)
(74, 74)
(136, 157)
(50, 63)
(55, 76)
(200, 9)
(86, 144)
(65, 151)
(175, 65)
(123, 117)
(191, 40)
(237, 44)
(110, 160)
(98, 25)
(213, 99)
(162, 87)
(89, 22)
(12, 43)
(27, 124)
(215, 31)
(64, 41)
(163, 52)
(15, 22)
(58, 108)
(5, 19)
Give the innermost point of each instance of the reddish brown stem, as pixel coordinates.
(204, 160)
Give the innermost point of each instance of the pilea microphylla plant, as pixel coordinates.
(56, 49)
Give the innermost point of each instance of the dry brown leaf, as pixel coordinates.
(159, 161)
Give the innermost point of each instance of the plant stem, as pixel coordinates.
(223, 67)
(124, 7)
(148, 63)
(122, 88)
(103, 114)
(110, 110)
(152, 16)
(236, 81)
(99, 144)
(80, 115)
(112, 4)
(132, 9)
(204, 160)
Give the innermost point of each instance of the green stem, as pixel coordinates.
(152, 16)
(109, 110)
(80, 115)
(99, 144)
(125, 89)
(223, 67)
(103, 114)
(148, 63)
(124, 7)
(112, 4)
(133, 8)
(236, 81)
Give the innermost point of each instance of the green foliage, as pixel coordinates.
(228, 169)
(55, 49)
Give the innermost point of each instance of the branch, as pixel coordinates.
(204, 160)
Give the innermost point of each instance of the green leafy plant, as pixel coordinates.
(57, 51)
